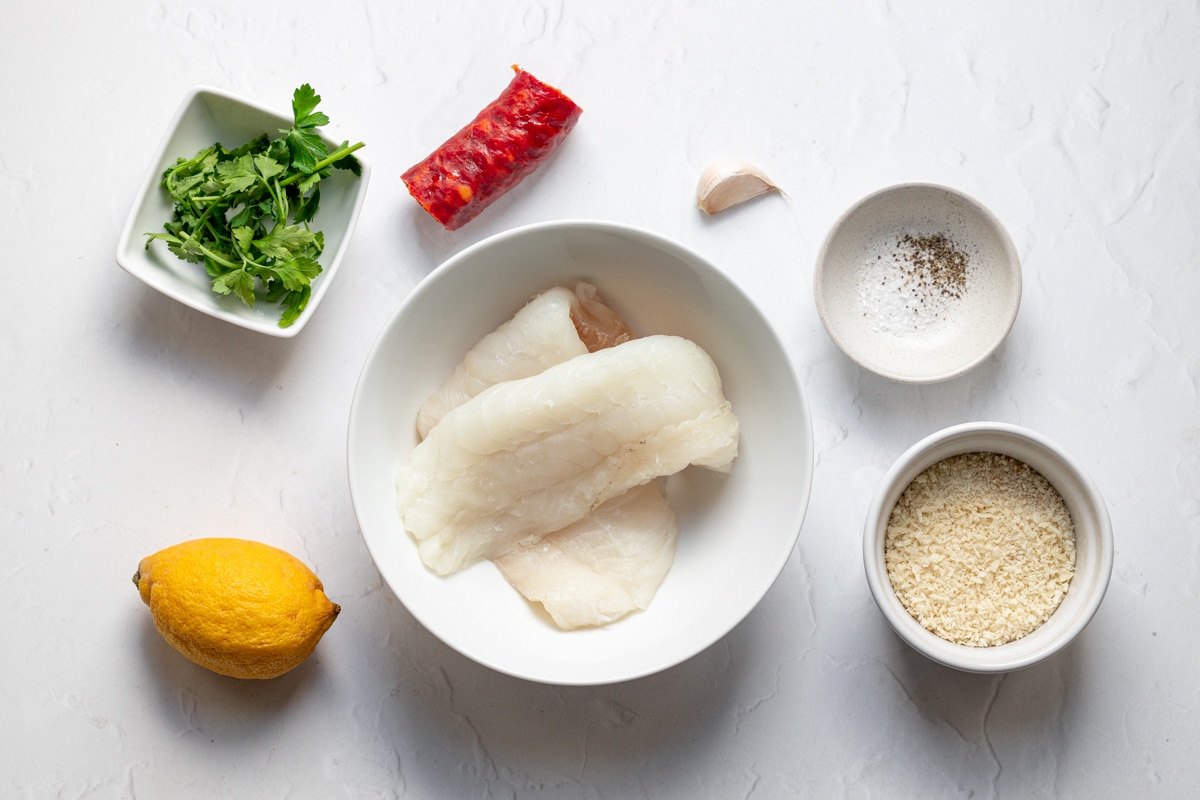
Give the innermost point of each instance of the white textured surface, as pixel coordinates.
(128, 422)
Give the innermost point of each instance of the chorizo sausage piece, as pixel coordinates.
(506, 141)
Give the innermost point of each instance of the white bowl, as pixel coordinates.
(206, 116)
(736, 532)
(1093, 545)
(894, 335)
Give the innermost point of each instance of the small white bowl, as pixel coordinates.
(206, 116)
(894, 334)
(1093, 545)
(736, 532)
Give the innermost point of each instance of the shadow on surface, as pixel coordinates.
(179, 342)
(509, 734)
(995, 707)
(191, 700)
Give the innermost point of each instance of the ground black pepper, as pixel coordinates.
(933, 265)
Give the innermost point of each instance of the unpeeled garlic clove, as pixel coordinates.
(727, 183)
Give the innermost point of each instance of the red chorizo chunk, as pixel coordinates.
(508, 140)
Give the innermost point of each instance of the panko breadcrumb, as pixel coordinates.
(980, 549)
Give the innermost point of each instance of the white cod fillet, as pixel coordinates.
(604, 566)
(528, 457)
(557, 325)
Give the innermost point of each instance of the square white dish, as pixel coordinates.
(209, 115)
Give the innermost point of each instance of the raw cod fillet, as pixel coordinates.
(528, 457)
(604, 566)
(612, 561)
(557, 325)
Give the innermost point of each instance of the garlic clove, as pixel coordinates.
(727, 183)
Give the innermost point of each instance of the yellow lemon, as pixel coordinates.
(237, 607)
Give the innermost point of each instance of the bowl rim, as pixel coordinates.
(150, 181)
(936, 447)
(628, 232)
(1012, 261)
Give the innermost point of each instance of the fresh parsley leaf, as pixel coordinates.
(237, 175)
(294, 304)
(307, 208)
(285, 241)
(307, 148)
(255, 145)
(245, 213)
(240, 282)
(304, 101)
(296, 273)
(267, 167)
(243, 236)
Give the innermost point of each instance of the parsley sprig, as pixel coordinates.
(245, 214)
